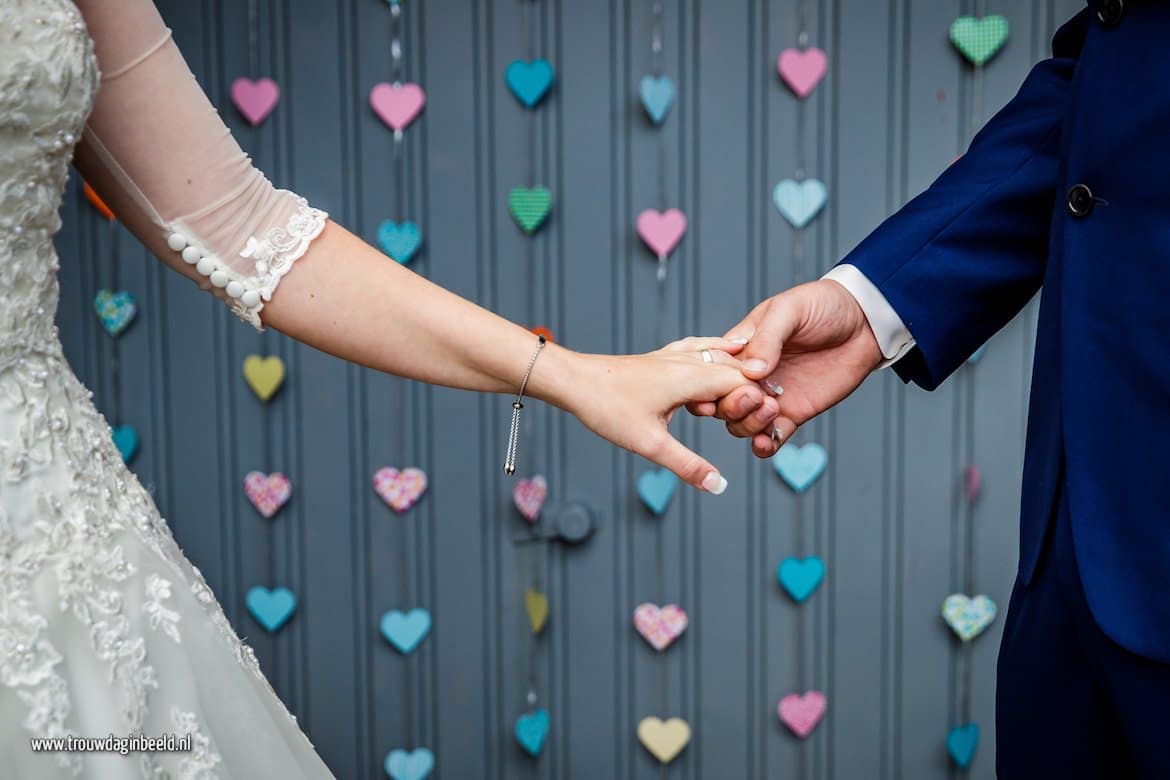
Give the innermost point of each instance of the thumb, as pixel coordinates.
(690, 467)
(778, 323)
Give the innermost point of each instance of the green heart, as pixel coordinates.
(979, 39)
(529, 206)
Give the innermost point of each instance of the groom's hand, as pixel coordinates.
(809, 348)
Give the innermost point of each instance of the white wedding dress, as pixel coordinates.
(105, 627)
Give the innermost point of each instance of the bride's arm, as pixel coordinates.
(158, 153)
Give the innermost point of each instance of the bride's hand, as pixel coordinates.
(630, 400)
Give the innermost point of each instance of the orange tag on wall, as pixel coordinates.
(98, 203)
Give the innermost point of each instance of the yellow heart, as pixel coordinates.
(536, 604)
(264, 375)
(664, 740)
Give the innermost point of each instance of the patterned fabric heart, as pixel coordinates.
(657, 93)
(802, 713)
(267, 492)
(416, 765)
(800, 201)
(529, 81)
(397, 105)
(979, 39)
(529, 207)
(802, 70)
(255, 99)
(271, 608)
(116, 310)
(126, 440)
(399, 241)
(528, 495)
(531, 729)
(400, 489)
(968, 617)
(660, 627)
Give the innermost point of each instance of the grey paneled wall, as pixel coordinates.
(896, 107)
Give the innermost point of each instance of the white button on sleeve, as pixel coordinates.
(892, 336)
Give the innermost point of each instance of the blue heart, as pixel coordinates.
(800, 466)
(399, 241)
(415, 765)
(961, 744)
(529, 81)
(657, 96)
(531, 729)
(126, 440)
(271, 608)
(115, 309)
(976, 355)
(800, 201)
(656, 488)
(406, 630)
(801, 577)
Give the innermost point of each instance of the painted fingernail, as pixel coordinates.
(755, 365)
(775, 388)
(714, 483)
(777, 434)
(740, 340)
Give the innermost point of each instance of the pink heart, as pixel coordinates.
(802, 70)
(529, 496)
(974, 481)
(660, 626)
(267, 492)
(662, 230)
(802, 713)
(255, 99)
(397, 104)
(400, 489)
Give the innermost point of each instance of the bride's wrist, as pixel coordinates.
(560, 376)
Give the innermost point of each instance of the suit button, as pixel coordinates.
(1080, 201)
(1110, 12)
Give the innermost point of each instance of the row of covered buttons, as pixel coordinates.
(207, 266)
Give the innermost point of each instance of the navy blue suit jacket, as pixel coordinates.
(1067, 187)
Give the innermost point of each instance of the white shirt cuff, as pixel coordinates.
(893, 338)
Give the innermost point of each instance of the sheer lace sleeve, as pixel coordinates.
(156, 149)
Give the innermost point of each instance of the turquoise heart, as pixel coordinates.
(800, 466)
(976, 355)
(529, 81)
(126, 440)
(979, 39)
(400, 242)
(531, 729)
(962, 743)
(415, 765)
(657, 97)
(656, 487)
(801, 577)
(271, 608)
(405, 630)
(800, 201)
(116, 310)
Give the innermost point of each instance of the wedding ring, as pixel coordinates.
(706, 355)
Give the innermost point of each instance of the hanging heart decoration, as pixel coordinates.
(531, 730)
(271, 608)
(662, 230)
(264, 375)
(541, 330)
(977, 355)
(399, 241)
(267, 492)
(126, 440)
(116, 310)
(799, 202)
(664, 739)
(529, 207)
(400, 489)
(660, 626)
(656, 487)
(405, 630)
(536, 605)
(802, 713)
(529, 81)
(979, 39)
(962, 741)
(968, 617)
(657, 93)
(397, 105)
(255, 99)
(416, 765)
(96, 201)
(973, 482)
(801, 576)
(528, 495)
(800, 466)
(802, 70)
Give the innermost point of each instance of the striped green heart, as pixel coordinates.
(979, 39)
(529, 207)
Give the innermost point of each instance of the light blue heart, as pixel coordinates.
(415, 765)
(116, 310)
(126, 440)
(801, 577)
(962, 743)
(529, 81)
(271, 608)
(976, 355)
(657, 97)
(406, 630)
(531, 729)
(800, 201)
(656, 487)
(800, 466)
(400, 242)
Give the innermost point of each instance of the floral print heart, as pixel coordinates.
(400, 489)
(528, 495)
(660, 626)
(267, 492)
(968, 617)
(802, 713)
(116, 310)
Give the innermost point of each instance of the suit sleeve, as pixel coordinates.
(960, 260)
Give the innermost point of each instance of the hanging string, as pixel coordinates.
(115, 348)
(396, 64)
(656, 46)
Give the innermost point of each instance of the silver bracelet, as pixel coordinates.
(517, 405)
